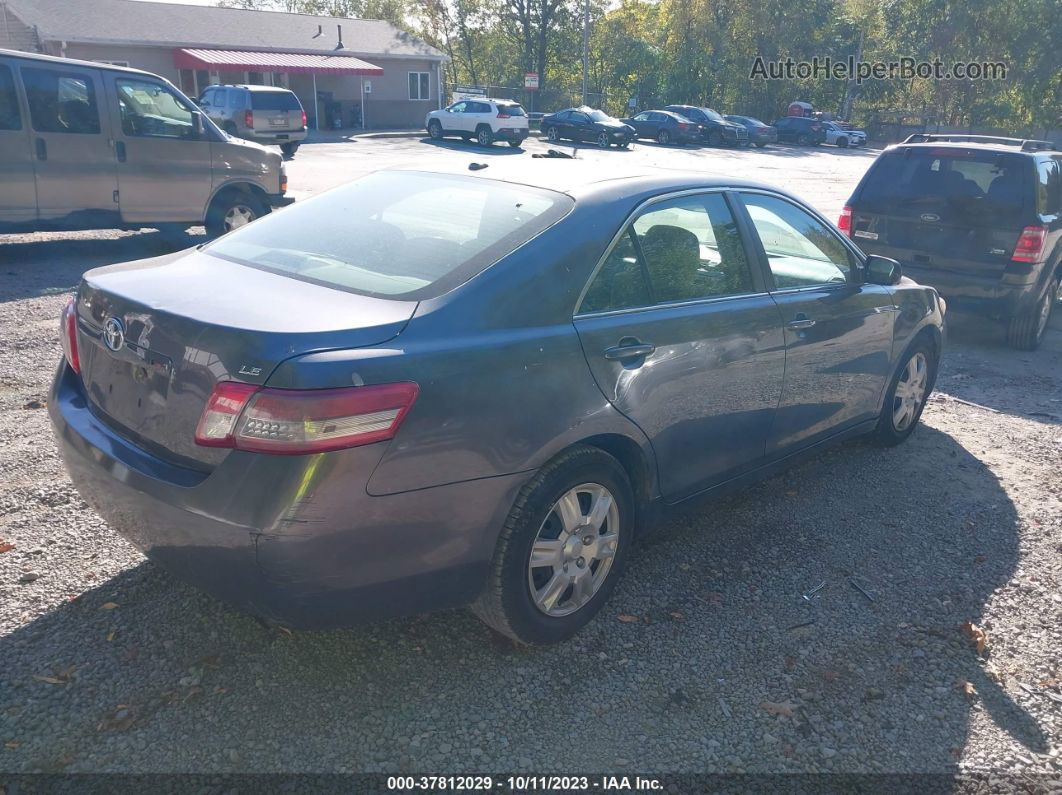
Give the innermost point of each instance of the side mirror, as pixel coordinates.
(197, 124)
(882, 270)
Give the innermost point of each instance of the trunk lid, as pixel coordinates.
(947, 209)
(181, 333)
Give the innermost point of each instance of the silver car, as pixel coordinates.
(265, 114)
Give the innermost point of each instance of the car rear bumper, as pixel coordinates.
(278, 137)
(293, 539)
(511, 133)
(971, 293)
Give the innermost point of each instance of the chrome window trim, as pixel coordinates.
(623, 228)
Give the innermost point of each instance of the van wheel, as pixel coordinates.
(231, 210)
(484, 136)
(561, 550)
(1026, 332)
(289, 150)
(907, 394)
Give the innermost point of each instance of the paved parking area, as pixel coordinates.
(707, 658)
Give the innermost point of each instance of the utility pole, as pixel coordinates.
(586, 52)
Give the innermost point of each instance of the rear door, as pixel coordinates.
(838, 331)
(18, 198)
(164, 165)
(945, 209)
(682, 337)
(276, 112)
(74, 166)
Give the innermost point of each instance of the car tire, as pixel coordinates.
(623, 145)
(567, 594)
(484, 136)
(715, 138)
(516, 144)
(289, 150)
(232, 209)
(663, 138)
(435, 131)
(552, 134)
(842, 142)
(602, 140)
(1026, 331)
(761, 146)
(803, 140)
(908, 393)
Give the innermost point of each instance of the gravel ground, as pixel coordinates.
(699, 663)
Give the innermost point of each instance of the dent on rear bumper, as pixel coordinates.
(294, 539)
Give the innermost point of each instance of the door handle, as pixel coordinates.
(119, 151)
(629, 350)
(801, 321)
(42, 149)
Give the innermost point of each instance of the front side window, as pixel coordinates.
(681, 250)
(419, 85)
(457, 107)
(10, 118)
(61, 102)
(400, 234)
(150, 110)
(801, 250)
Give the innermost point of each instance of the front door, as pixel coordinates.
(18, 198)
(164, 169)
(682, 337)
(838, 330)
(74, 166)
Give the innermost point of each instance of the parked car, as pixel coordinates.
(587, 124)
(800, 130)
(264, 114)
(979, 218)
(483, 120)
(351, 410)
(74, 159)
(842, 136)
(715, 129)
(664, 127)
(760, 134)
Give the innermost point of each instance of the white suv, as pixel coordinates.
(486, 120)
(839, 136)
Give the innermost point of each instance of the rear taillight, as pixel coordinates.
(503, 115)
(302, 421)
(844, 223)
(683, 126)
(304, 120)
(68, 332)
(248, 118)
(1030, 245)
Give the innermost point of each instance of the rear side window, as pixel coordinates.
(10, 118)
(396, 234)
(1049, 188)
(274, 100)
(977, 185)
(61, 102)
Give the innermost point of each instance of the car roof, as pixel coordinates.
(973, 145)
(251, 87)
(33, 56)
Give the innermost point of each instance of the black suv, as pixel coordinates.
(977, 217)
(801, 130)
(714, 128)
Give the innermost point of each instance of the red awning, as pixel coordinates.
(246, 60)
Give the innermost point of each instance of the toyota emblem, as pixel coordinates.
(113, 334)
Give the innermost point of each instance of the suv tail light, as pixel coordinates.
(304, 125)
(248, 119)
(502, 114)
(683, 126)
(68, 333)
(302, 421)
(844, 223)
(1030, 245)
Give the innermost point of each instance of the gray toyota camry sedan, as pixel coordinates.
(426, 390)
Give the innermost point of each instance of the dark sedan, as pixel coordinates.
(800, 130)
(715, 129)
(760, 134)
(664, 127)
(586, 124)
(350, 408)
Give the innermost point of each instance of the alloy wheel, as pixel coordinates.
(664, 137)
(238, 215)
(573, 552)
(602, 140)
(910, 391)
(435, 130)
(552, 134)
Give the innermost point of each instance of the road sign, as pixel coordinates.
(531, 81)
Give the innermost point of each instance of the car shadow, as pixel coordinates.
(53, 262)
(149, 674)
(457, 145)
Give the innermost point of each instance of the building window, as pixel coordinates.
(419, 85)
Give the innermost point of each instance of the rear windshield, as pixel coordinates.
(976, 184)
(274, 100)
(512, 110)
(396, 234)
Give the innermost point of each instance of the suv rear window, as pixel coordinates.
(397, 234)
(274, 100)
(976, 184)
(512, 110)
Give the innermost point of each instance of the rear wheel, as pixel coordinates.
(562, 549)
(1025, 332)
(907, 394)
(803, 139)
(435, 131)
(484, 136)
(231, 210)
(663, 137)
(842, 142)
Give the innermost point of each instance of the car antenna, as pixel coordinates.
(476, 166)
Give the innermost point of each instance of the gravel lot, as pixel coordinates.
(698, 663)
